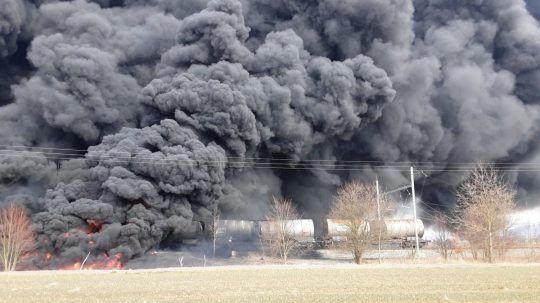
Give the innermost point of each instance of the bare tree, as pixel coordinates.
(473, 239)
(443, 241)
(214, 227)
(278, 231)
(485, 202)
(355, 204)
(504, 240)
(16, 236)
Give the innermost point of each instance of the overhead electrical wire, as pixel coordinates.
(194, 163)
(50, 153)
(245, 164)
(404, 163)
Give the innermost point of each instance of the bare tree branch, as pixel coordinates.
(16, 237)
(355, 205)
(279, 234)
(441, 223)
(485, 201)
(213, 228)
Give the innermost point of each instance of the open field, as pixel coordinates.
(296, 283)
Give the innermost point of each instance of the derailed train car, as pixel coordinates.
(401, 231)
(239, 230)
(303, 231)
(242, 230)
(404, 230)
(300, 230)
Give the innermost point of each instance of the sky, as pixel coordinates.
(534, 7)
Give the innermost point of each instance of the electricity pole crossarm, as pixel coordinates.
(397, 189)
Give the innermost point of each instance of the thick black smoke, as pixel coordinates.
(131, 213)
(175, 101)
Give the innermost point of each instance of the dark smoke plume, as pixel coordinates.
(132, 213)
(175, 100)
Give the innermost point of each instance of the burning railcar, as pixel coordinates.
(401, 232)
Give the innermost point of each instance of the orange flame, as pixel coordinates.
(94, 226)
(74, 266)
(114, 262)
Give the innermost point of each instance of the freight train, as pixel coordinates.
(401, 232)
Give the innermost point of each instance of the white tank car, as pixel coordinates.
(301, 230)
(237, 230)
(396, 229)
(337, 230)
(304, 231)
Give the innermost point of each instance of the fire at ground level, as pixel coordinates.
(294, 283)
(243, 236)
(239, 243)
(253, 254)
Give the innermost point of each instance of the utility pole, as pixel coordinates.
(529, 234)
(379, 215)
(414, 213)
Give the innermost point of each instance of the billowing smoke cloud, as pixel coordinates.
(467, 88)
(131, 213)
(12, 18)
(87, 64)
(175, 102)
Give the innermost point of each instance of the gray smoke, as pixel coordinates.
(12, 19)
(88, 62)
(177, 101)
(467, 93)
(135, 212)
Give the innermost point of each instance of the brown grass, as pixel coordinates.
(300, 283)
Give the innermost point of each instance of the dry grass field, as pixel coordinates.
(296, 283)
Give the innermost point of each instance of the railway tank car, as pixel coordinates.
(396, 230)
(245, 230)
(300, 230)
(337, 230)
(239, 230)
(400, 231)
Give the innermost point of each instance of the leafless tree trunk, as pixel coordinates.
(355, 204)
(505, 241)
(213, 228)
(485, 202)
(474, 239)
(279, 239)
(16, 236)
(442, 234)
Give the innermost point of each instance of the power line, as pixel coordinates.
(145, 158)
(400, 164)
(191, 163)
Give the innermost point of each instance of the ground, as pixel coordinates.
(282, 283)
